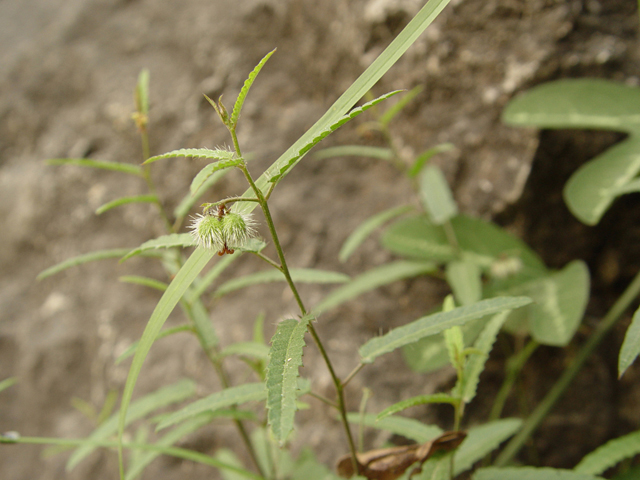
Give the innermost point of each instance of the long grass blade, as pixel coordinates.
(165, 241)
(125, 201)
(414, 401)
(100, 164)
(79, 260)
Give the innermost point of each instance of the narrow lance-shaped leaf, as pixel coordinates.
(372, 279)
(209, 170)
(414, 401)
(482, 440)
(529, 473)
(100, 164)
(631, 345)
(394, 110)
(610, 454)
(365, 229)
(407, 427)
(125, 201)
(327, 131)
(224, 398)
(79, 260)
(476, 361)
(436, 195)
(436, 323)
(299, 275)
(235, 115)
(223, 155)
(165, 241)
(285, 359)
(138, 409)
(422, 159)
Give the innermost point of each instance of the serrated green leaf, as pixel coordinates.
(225, 398)
(145, 458)
(138, 409)
(407, 427)
(482, 440)
(454, 342)
(165, 241)
(595, 185)
(299, 275)
(327, 131)
(203, 175)
(414, 401)
(436, 195)
(354, 151)
(79, 260)
(609, 454)
(631, 345)
(422, 159)
(475, 362)
(223, 155)
(181, 282)
(365, 229)
(247, 349)
(529, 473)
(372, 279)
(285, 359)
(436, 323)
(582, 103)
(165, 333)
(100, 164)
(465, 279)
(235, 115)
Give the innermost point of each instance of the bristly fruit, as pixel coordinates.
(222, 230)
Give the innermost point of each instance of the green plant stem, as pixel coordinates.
(323, 399)
(353, 373)
(285, 270)
(534, 420)
(273, 263)
(513, 368)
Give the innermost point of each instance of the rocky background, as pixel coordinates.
(67, 72)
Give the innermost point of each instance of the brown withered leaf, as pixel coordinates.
(390, 463)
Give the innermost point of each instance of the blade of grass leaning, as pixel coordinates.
(474, 365)
(237, 107)
(354, 151)
(610, 454)
(165, 241)
(436, 323)
(422, 159)
(183, 279)
(328, 131)
(366, 228)
(482, 440)
(529, 473)
(200, 153)
(175, 435)
(372, 279)
(631, 345)
(285, 360)
(125, 201)
(177, 452)
(299, 275)
(247, 392)
(80, 259)
(144, 281)
(407, 427)
(414, 401)
(140, 408)
(100, 164)
(209, 170)
(165, 333)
